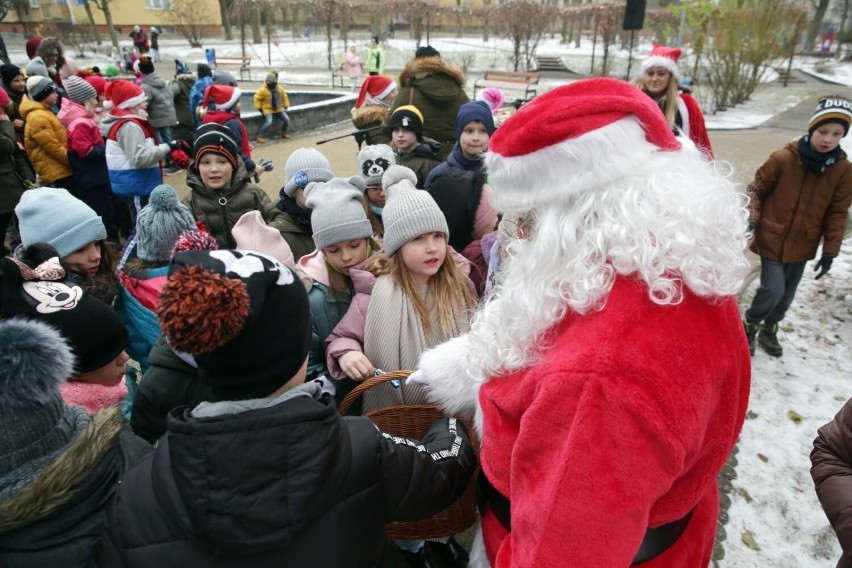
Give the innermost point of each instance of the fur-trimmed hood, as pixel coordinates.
(368, 116)
(437, 78)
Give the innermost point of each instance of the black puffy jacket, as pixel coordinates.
(294, 484)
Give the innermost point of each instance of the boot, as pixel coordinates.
(260, 139)
(416, 559)
(751, 334)
(767, 338)
(285, 134)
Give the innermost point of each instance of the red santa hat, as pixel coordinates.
(375, 86)
(223, 96)
(573, 138)
(124, 94)
(665, 57)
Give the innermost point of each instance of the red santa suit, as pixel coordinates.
(624, 420)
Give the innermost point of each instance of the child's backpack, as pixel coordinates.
(181, 67)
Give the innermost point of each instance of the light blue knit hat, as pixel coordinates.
(52, 215)
(160, 223)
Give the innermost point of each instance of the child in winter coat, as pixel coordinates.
(412, 150)
(78, 235)
(15, 170)
(60, 465)
(220, 191)
(267, 426)
(44, 135)
(37, 287)
(161, 106)
(158, 227)
(304, 166)
(459, 188)
(272, 102)
(373, 162)
(342, 235)
(222, 104)
(87, 151)
(15, 85)
(410, 297)
(801, 195)
(132, 152)
(196, 95)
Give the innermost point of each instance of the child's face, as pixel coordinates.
(405, 140)
(657, 80)
(376, 195)
(51, 99)
(215, 170)
(109, 375)
(87, 258)
(474, 139)
(347, 254)
(826, 138)
(423, 256)
(19, 84)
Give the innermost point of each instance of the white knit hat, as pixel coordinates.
(409, 212)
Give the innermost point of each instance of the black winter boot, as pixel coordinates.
(768, 339)
(751, 334)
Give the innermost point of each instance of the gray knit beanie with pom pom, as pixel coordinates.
(160, 223)
(338, 211)
(409, 212)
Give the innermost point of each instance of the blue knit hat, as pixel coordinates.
(474, 110)
(160, 223)
(52, 215)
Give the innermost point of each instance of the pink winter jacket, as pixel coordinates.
(348, 335)
(85, 133)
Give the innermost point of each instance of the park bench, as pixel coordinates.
(522, 81)
(339, 76)
(242, 64)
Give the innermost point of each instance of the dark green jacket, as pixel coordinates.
(15, 169)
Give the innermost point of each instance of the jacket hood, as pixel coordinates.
(315, 267)
(193, 180)
(367, 116)
(28, 106)
(286, 447)
(435, 78)
(155, 80)
(71, 111)
(107, 122)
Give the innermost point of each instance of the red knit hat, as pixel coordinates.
(375, 86)
(223, 96)
(124, 94)
(98, 82)
(665, 57)
(573, 138)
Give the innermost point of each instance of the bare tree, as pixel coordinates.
(188, 19)
(7, 6)
(103, 6)
(524, 23)
(820, 7)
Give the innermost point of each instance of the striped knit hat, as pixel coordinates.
(212, 137)
(409, 212)
(832, 109)
(79, 90)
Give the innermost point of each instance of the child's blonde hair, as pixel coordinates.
(667, 102)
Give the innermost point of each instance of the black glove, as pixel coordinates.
(824, 265)
(173, 145)
(265, 165)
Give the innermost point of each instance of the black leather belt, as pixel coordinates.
(656, 541)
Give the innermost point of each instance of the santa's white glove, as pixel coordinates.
(418, 377)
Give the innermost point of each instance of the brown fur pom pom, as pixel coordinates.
(200, 310)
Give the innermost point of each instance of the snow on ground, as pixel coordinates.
(773, 495)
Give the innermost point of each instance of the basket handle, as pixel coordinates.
(371, 382)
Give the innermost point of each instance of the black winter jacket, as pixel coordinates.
(293, 484)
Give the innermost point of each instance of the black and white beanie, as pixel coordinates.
(374, 161)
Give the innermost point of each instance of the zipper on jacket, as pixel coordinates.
(223, 201)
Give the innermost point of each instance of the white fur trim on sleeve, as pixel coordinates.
(447, 381)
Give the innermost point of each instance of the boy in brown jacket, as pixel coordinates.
(799, 196)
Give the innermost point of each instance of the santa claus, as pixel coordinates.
(608, 372)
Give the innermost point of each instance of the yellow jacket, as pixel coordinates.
(263, 100)
(45, 141)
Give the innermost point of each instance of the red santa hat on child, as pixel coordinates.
(223, 96)
(574, 138)
(124, 94)
(376, 87)
(665, 57)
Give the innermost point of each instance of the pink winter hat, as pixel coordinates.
(486, 216)
(252, 233)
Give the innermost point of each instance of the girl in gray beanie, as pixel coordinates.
(343, 238)
(158, 227)
(412, 296)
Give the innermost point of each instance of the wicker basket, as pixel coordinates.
(412, 421)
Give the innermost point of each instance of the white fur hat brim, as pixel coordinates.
(666, 63)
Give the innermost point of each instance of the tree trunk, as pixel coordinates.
(108, 17)
(255, 25)
(816, 26)
(225, 13)
(95, 33)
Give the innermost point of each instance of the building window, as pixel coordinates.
(34, 4)
(158, 4)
